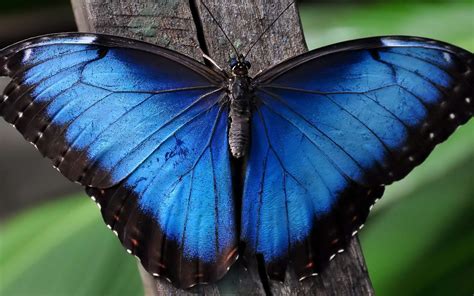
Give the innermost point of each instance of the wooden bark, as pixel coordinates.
(187, 27)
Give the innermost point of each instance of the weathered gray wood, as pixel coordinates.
(346, 275)
(171, 24)
(244, 21)
(167, 23)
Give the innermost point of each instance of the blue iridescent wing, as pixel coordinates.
(331, 128)
(144, 129)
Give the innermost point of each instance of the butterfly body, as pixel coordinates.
(150, 133)
(241, 100)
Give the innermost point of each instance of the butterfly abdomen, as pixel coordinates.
(239, 116)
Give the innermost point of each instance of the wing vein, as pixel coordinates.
(216, 202)
(262, 86)
(276, 154)
(43, 129)
(81, 67)
(197, 160)
(92, 163)
(150, 92)
(441, 67)
(26, 91)
(188, 202)
(388, 111)
(313, 143)
(440, 88)
(311, 124)
(287, 214)
(344, 93)
(361, 122)
(21, 70)
(260, 200)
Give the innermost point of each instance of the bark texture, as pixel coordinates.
(187, 27)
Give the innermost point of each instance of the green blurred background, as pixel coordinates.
(419, 239)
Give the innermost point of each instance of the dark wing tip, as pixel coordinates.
(3, 66)
(4, 70)
(455, 109)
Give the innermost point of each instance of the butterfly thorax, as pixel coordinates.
(240, 105)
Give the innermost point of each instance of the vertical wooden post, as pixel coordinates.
(186, 25)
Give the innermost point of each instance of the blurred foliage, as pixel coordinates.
(419, 245)
(365, 2)
(424, 245)
(64, 248)
(327, 24)
(22, 5)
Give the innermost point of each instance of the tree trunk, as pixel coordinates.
(187, 27)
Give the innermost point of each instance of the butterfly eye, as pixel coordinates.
(233, 62)
(247, 64)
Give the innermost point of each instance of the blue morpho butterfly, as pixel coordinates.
(151, 134)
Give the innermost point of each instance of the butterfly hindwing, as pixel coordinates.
(145, 130)
(194, 239)
(331, 128)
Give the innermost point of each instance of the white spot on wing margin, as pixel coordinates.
(447, 57)
(87, 39)
(26, 55)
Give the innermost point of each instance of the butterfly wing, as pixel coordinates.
(331, 128)
(144, 129)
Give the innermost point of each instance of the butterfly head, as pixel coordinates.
(239, 66)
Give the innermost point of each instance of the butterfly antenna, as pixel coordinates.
(212, 61)
(268, 28)
(204, 55)
(215, 20)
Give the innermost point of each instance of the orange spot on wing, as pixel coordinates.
(231, 254)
